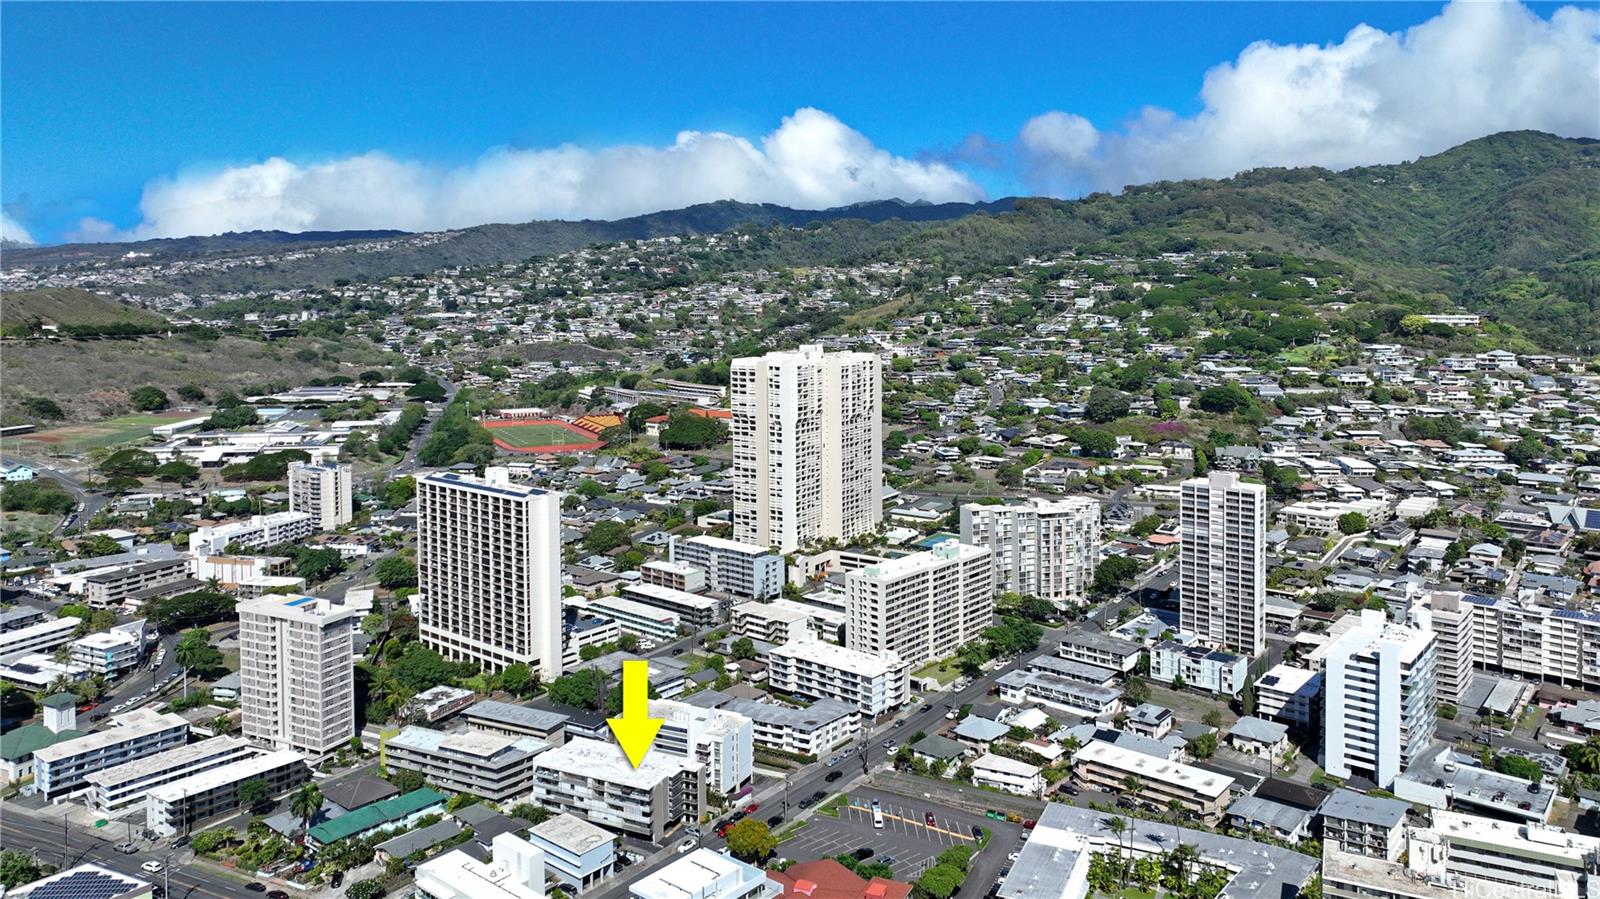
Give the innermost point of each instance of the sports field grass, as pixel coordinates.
(541, 436)
(110, 432)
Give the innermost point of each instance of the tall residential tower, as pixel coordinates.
(297, 672)
(322, 490)
(1223, 562)
(807, 447)
(1043, 548)
(489, 570)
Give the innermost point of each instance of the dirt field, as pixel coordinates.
(111, 432)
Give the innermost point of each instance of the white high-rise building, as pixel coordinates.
(322, 490)
(297, 672)
(1223, 562)
(1042, 548)
(922, 607)
(1452, 624)
(723, 741)
(807, 447)
(1379, 695)
(489, 570)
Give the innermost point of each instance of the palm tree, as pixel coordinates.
(1118, 827)
(1134, 786)
(1585, 756)
(1184, 857)
(305, 804)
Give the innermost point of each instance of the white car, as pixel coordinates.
(686, 846)
(151, 867)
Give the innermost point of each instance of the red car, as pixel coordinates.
(1029, 824)
(930, 819)
(751, 808)
(722, 830)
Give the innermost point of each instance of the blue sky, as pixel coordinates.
(99, 100)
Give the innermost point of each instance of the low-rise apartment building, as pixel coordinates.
(63, 769)
(1192, 665)
(117, 587)
(1289, 694)
(1072, 696)
(721, 739)
(184, 806)
(779, 621)
(653, 625)
(494, 766)
(1002, 773)
(876, 684)
(738, 569)
(1108, 767)
(42, 636)
(258, 532)
(1095, 648)
(109, 653)
(576, 851)
(595, 781)
(691, 608)
(673, 575)
(120, 786)
(813, 730)
(492, 716)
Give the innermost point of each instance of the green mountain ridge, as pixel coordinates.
(1508, 224)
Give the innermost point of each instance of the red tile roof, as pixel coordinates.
(827, 879)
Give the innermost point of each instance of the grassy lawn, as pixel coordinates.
(832, 806)
(1134, 893)
(943, 671)
(28, 521)
(1320, 776)
(99, 434)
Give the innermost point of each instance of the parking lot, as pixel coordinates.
(907, 838)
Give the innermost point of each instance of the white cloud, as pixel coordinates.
(12, 230)
(811, 161)
(1475, 69)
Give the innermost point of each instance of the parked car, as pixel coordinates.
(751, 808)
(929, 818)
(774, 821)
(976, 831)
(833, 776)
(256, 887)
(1029, 824)
(864, 853)
(686, 846)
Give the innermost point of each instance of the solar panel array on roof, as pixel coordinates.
(85, 885)
(1591, 520)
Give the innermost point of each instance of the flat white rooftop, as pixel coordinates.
(830, 655)
(1155, 770)
(134, 725)
(605, 761)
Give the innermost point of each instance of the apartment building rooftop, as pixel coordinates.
(163, 761)
(582, 757)
(519, 715)
(1152, 769)
(1348, 805)
(572, 833)
(832, 655)
(471, 743)
(128, 726)
(232, 772)
(1565, 845)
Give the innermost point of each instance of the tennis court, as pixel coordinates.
(545, 436)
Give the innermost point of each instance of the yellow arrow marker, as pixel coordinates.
(635, 730)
